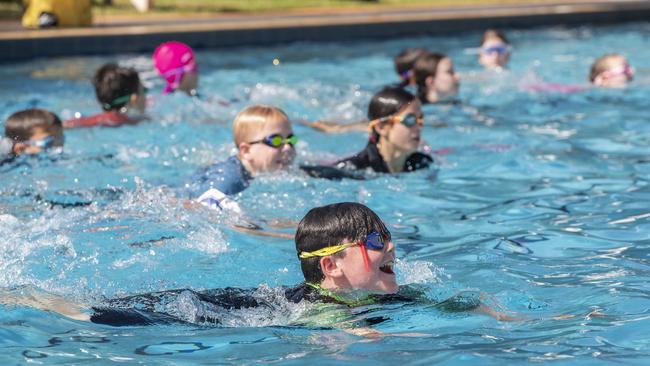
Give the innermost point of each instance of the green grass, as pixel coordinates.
(11, 8)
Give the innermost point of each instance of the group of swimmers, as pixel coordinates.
(341, 247)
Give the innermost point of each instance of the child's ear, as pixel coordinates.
(329, 267)
(244, 149)
(598, 81)
(383, 128)
(134, 99)
(428, 81)
(19, 148)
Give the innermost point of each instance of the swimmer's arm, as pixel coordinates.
(498, 315)
(79, 123)
(259, 231)
(42, 300)
(480, 303)
(335, 127)
(282, 224)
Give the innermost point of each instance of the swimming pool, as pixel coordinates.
(539, 201)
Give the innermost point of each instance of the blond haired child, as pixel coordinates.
(265, 143)
(611, 71)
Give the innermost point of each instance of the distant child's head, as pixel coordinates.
(611, 71)
(495, 50)
(176, 64)
(119, 88)
(265, 139)
(346, 246)
(435, 78)
(396, 119)
(404, 64)
(34, 130)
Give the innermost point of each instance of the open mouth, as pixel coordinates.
(387, 268)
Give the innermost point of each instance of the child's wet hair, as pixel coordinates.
(113, 82)
(253, 118)
(426, 66)
(20, 126)
(494, 34)
(405, 60)
(332, 225)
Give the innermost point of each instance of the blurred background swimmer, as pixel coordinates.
(31, 132)
(611, 71)
(404, 65)
(176, 63)
(435, 78)
(495, 50)
(121, 95)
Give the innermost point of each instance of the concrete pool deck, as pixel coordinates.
(124, 34)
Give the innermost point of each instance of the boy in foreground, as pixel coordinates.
(346, 256)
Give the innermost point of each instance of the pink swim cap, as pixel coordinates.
(173, 60)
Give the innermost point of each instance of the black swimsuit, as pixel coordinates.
(370, 158)
(163, 307)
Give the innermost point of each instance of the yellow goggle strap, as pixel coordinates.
(324, 252)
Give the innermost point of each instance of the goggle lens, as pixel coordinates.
(410, 120)
(277, 141)
(44, 143)
(374, 241)
(495, 49)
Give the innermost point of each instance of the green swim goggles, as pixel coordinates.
(276, 140)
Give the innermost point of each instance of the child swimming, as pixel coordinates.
(495, 50)
(32, 131)
(435, 78)
(396, 122)
(175, 62)
(346, 256)
(265, 143)
(611, 71)
(404, 62)
(120, 94)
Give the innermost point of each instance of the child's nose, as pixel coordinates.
(390, 246)
(286, 147)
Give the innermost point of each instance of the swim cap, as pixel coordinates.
(173, 60)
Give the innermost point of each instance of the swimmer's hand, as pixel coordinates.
(32, 297)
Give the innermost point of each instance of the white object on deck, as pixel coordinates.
(142, 6)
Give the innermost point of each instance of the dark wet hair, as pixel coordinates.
(387, 102)
(425, 66)
(405, 60)
(112, 82)
(493, 33)
(20, 126)
(332, 225)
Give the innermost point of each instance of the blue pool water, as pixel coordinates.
(540, 201)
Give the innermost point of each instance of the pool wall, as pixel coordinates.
(246, 30)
